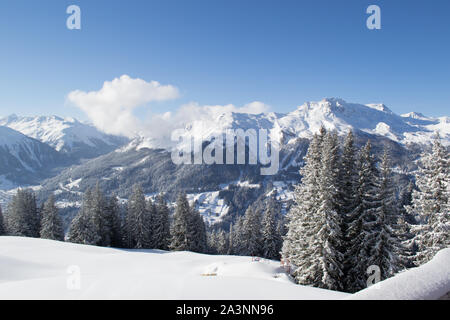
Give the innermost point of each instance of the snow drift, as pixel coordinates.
(42, 269)
(430, 281)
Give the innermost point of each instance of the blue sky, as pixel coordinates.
(282, 53)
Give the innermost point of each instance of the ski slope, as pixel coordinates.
(39, 269)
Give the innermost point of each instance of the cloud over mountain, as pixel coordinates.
(111, 108)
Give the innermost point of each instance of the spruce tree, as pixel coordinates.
(196, 231)
(348, 177)
(100, 216)
(114, 219)
(329, 240)
(51, 224)
(2, 224)
(237, 236)
(138, 221)
(83, 228)
(431, 203)
(179, 228)
(361, 226)
(251, 229)
(299, 246)
(269, 235)
(161, 226)
(387, 251)
(22, 216)
(222, 242)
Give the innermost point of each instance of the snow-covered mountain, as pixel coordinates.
(333, 113)
(24, 159)
(65, 135)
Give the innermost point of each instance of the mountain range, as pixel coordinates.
(66, 156)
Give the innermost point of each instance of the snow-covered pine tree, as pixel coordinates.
(299, 247)
(161, 226)
(387, 251)
(151, 216)
(252, 240)
(2, 224)
(51, 223)
(114, 218)
(196, 231)
(100, 216)
(137, 221)
(281, 232)
(362, 221)
(269, 235)
(431, 202)
(347, 181)
(222, 242)
(179, 227)
(329, 240)
(238, 236)
(213, 242)
(22, 216)
(230, 241)
(407, 221)
(83, 228)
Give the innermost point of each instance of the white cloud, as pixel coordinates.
(111, 108)
(160, 126)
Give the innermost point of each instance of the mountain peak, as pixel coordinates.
(380, 107)
(415, 115)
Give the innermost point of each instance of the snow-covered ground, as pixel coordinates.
(430, 281)
(43, 269)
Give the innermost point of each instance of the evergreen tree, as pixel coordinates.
(138, 221)
(222, 242)
(179, 227)
(161, 226)
(237, 237)
(329, 240)
(269, 235)
(2, 224)
(51, 224)
(22, 217)
(196, 231)
(212, 242)
(348, 182)
(251, 230)
(100, 216)
(361, 227)
(83, 228)
(387, 251)
(114, 219)
(407, 221)
(430, 203)
(299, 247)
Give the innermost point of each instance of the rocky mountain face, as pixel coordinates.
(24, 160)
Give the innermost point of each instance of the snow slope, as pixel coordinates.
(430, 281)
(38, 269)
